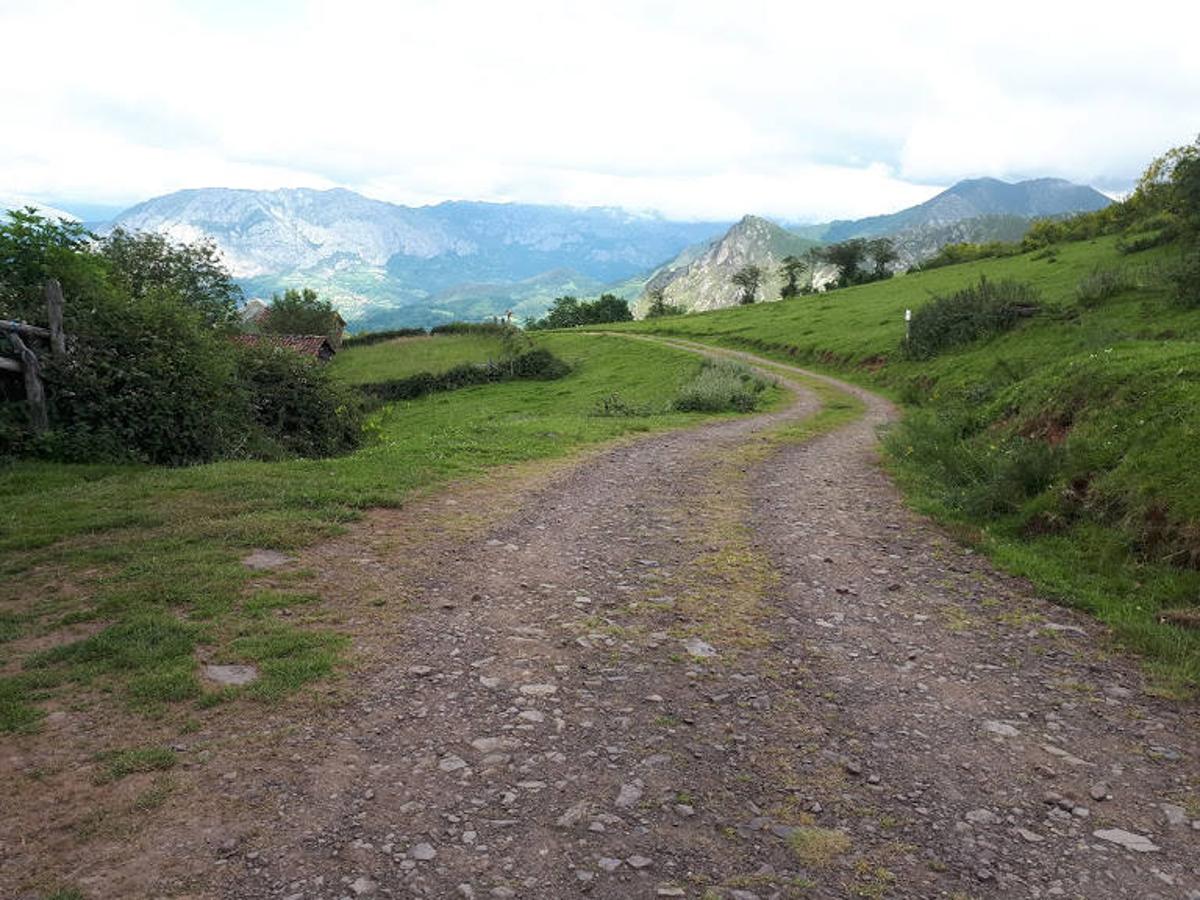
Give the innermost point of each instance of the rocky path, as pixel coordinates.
(714, 664)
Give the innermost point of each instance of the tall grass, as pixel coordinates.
(721, 386)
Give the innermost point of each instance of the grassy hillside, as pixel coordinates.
(115, 579)
(1066, 447)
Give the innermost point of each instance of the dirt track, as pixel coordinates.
(698, 662)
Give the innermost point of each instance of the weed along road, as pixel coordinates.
(718, 662)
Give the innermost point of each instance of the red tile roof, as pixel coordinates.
(305, 344)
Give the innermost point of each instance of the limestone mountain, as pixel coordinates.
(385, 265)
(701, 277)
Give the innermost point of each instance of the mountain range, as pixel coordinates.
(386, 265)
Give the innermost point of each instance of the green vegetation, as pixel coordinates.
(953, 254)
(748, 279)
(403, 357)
(659, 307)
(980, 310)
(569, 312)
(790, 269)
(119, 763)
(859, 260)
(721, 386)
(299, 312)
(1062, 443)
(538, 364)
(150, 372)
(366, 338)
(145, 560)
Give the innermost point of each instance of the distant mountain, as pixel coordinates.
(9, 201)
(388, 265)
(972, 199)
(979, 209)
(701, 277)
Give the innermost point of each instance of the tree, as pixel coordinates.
(748, 278)
(299, 312)
(659, 307)
(607, 308)
(144, 261)
(883, 253)
(790, 270)
(33, 249)
(849, 257)
(568, 312)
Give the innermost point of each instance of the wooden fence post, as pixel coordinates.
(35, 394)
(54, 310)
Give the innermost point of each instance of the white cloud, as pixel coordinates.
(701, 108)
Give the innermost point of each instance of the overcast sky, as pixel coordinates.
(803, 111)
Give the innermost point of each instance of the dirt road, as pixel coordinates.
(709, 664)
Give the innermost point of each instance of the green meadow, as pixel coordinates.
(122, 574)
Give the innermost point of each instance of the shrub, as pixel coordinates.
(145, 379)
(976, 311)
(495, 328)
(295, 406)
(953, 254)
(721, 386)
(377, 337)
(1101, 285)
(1185, 280)
(537, 364)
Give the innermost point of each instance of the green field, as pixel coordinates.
(146, 561)
(1066, 447)
(407, 356)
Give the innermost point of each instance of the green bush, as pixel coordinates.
(1185, 280)
(144, 379)
(497, 328)
(537, 364)
(295, 405)
(377, 337)
(977, 311)
(1100, 285)
(150, 373)
(721, 386)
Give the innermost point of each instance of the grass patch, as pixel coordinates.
(817, 847)
(153, 553)
(117, 764)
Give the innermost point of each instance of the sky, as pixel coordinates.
(697, 110)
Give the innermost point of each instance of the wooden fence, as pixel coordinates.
(26, 360)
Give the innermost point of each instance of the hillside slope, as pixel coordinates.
(1066, 445)
(701, 277)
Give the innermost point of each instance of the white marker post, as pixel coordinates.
(907, 324)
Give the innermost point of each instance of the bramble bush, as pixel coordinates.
(977, 311)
